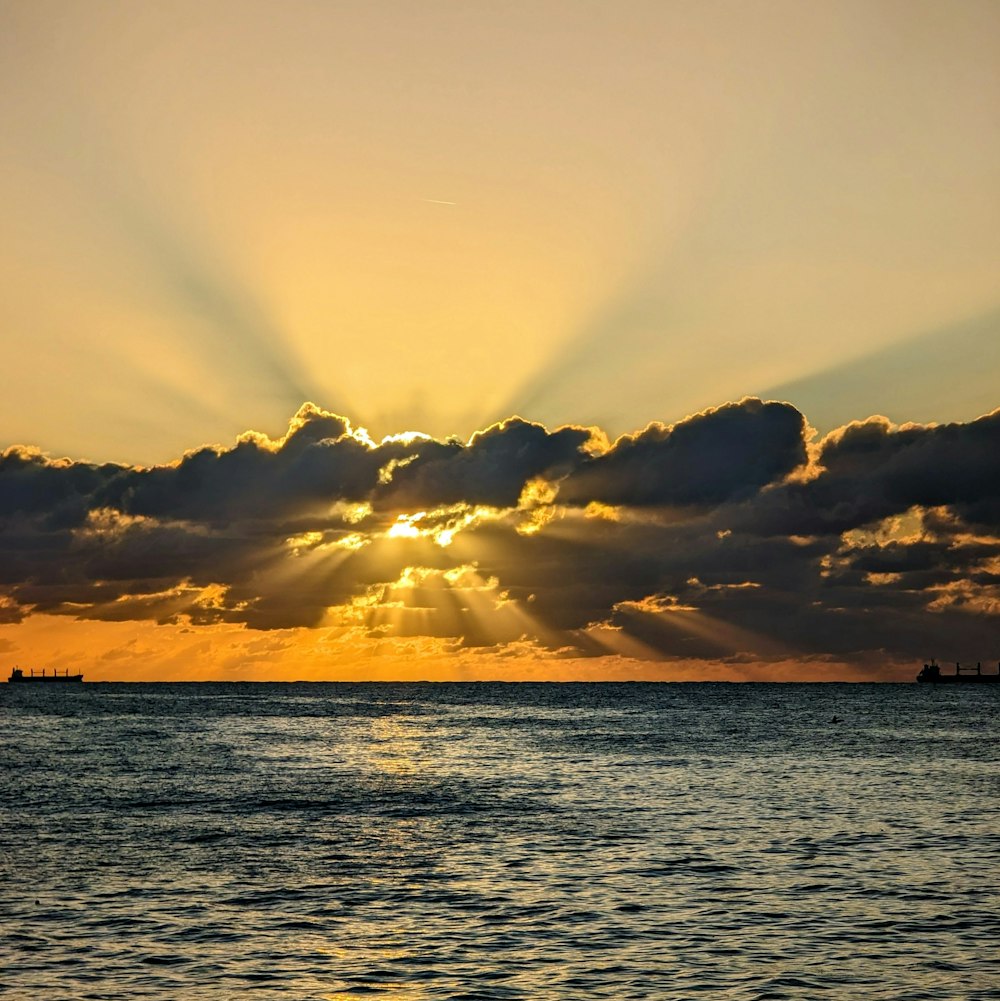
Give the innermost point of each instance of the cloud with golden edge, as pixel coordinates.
(733, 533)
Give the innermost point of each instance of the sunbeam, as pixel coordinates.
(661, 623)
(903, 381)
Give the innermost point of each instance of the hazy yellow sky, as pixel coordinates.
(431, 215)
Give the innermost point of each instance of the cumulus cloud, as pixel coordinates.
(492, 469)
(721, 454)
(871, 470)
(729, 534)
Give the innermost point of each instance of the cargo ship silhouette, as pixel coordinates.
(17, 676)
(931, 674)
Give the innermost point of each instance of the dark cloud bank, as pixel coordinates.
(727, 535)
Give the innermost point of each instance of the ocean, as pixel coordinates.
(499, 841)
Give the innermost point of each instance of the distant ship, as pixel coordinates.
(18, 677)
(931, 674)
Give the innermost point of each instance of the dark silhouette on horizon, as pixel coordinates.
(931, 674)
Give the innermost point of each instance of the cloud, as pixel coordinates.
(871, 470)
(492, 469)
(62, 490)
(721, 454)
(726, 536)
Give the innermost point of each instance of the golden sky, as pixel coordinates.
(431, 217)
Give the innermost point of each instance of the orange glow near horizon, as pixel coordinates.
(318, 589)
(143, 651)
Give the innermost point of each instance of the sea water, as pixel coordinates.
(494, 841)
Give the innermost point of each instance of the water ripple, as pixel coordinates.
(419, 842)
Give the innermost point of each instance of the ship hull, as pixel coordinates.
(48, 679)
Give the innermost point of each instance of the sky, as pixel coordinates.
(528, 340)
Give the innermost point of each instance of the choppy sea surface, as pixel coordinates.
(492, 841)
